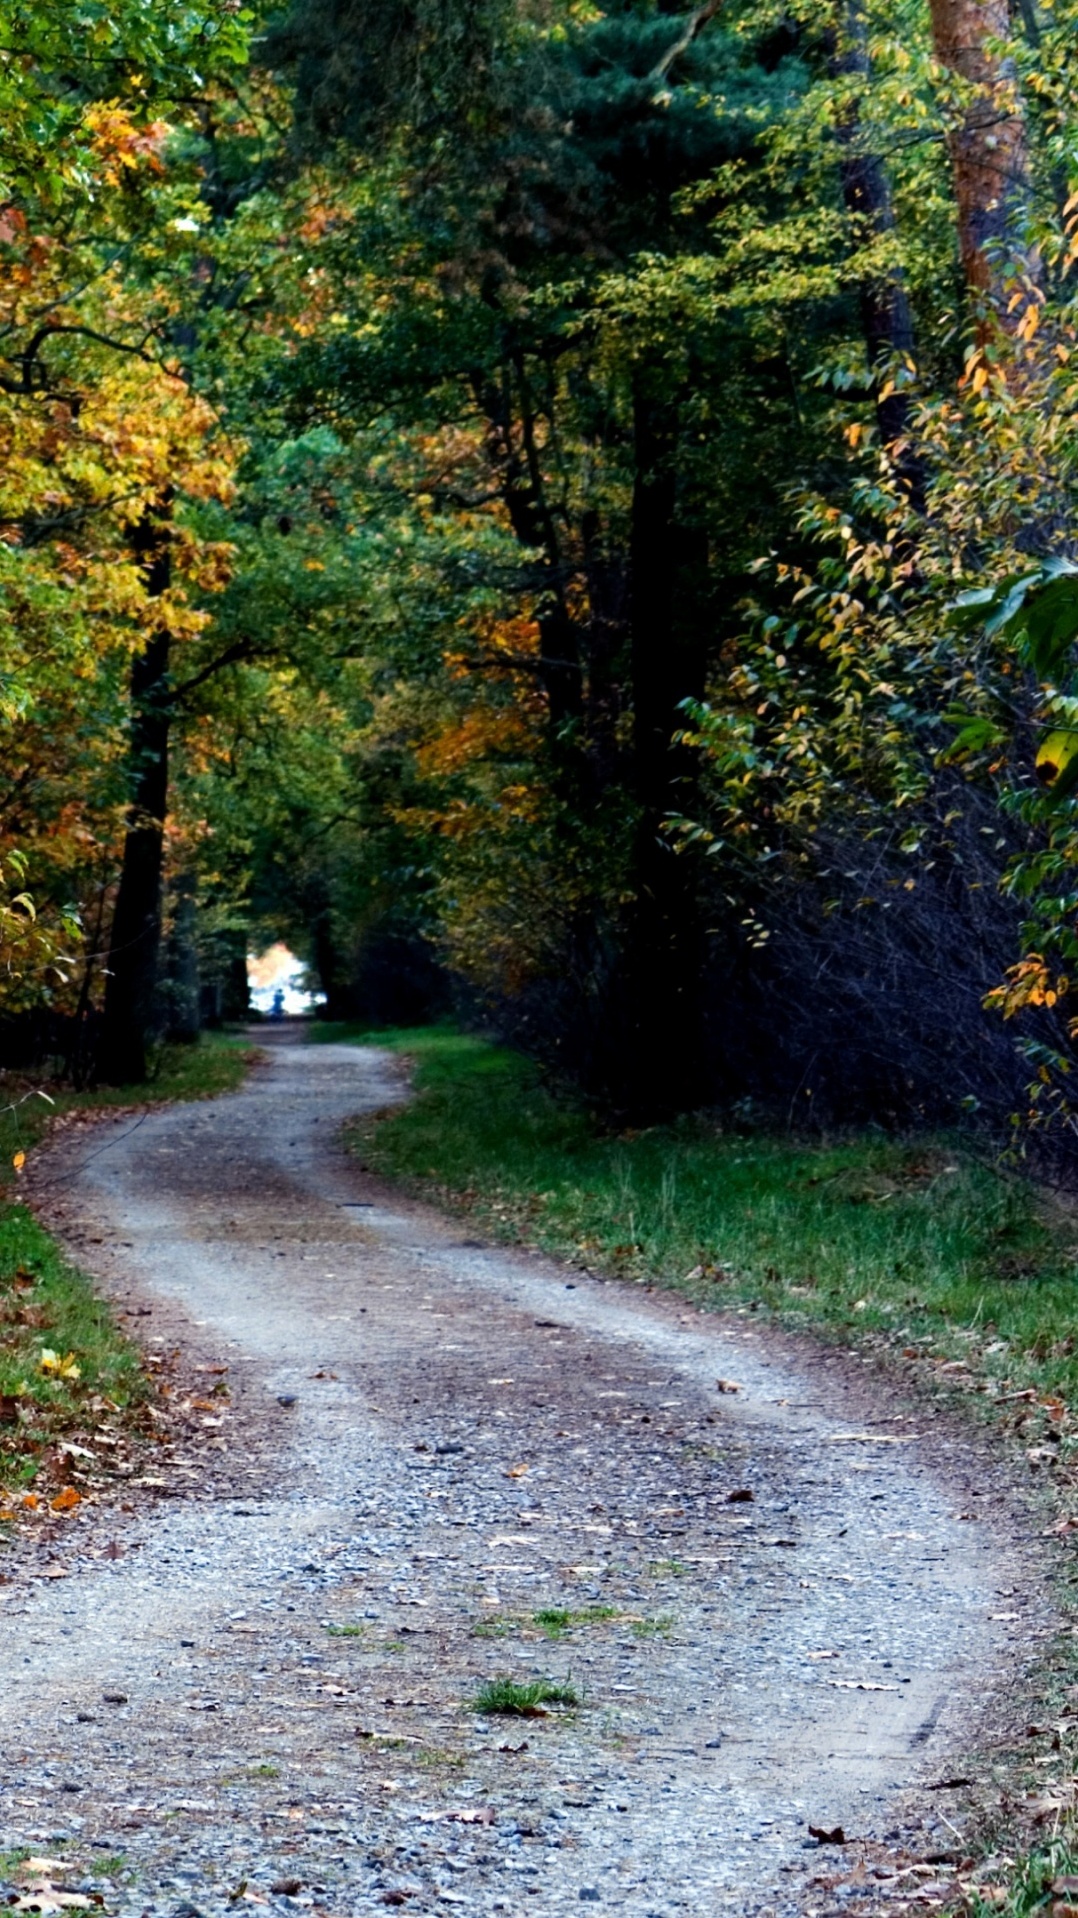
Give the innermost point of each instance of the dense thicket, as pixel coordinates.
(492, 507)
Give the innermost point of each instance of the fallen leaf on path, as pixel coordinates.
(53, 1901)
(287, 1887)
(470, 1815)
(66, 1500)
(836, 1836)
(726, 1385)
(38, 1866)
(742, 1497)
(516, 1471)
(859, 1685)
(18, 1160)
(55, 1571)
(1051, 1805)
(872, 1438)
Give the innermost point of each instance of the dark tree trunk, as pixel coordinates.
(520, 474)
(886, 316)
(663, 1072)
(130, 1017)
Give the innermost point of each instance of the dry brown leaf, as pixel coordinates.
(859, 1685)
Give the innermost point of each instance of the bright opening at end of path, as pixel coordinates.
(278, 982)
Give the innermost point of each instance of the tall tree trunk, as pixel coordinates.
(989, 157)
(134, 948)
(663, 1072)
(886, 316)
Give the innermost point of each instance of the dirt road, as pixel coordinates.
(429, 1443)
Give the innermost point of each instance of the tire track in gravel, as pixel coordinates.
(476, 1436)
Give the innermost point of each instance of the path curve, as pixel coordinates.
(477, 1436)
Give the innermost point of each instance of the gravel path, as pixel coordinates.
(265, 1694)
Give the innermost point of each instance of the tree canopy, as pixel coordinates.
(558, 508)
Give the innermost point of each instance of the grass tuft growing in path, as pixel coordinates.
(508, 1698)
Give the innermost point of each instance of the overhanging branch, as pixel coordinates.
(695, 25)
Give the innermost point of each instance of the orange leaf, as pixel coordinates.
(66, 1500)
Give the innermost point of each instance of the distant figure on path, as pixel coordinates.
(278, 1004)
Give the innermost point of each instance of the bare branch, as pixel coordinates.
(696, 23)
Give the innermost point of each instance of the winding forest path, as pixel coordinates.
(269, 1684)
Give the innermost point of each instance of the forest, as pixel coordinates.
(561, 512)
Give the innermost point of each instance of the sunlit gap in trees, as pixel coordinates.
(278, 982)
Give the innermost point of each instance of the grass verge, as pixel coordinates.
(919, 1248)
(67, 1371)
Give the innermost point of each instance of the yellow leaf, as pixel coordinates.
(1057, 762)
(56, 1367)
(18, 1161)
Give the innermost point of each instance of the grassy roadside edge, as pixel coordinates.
(70, 1378)
(952, 1272)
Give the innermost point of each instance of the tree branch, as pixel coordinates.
(242, 649)
(696, 23)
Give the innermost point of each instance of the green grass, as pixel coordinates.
(918, 1248)
(658, 1627)
(46, 1305)
(509, 1698)
(108, 1867)
(554, 1623)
